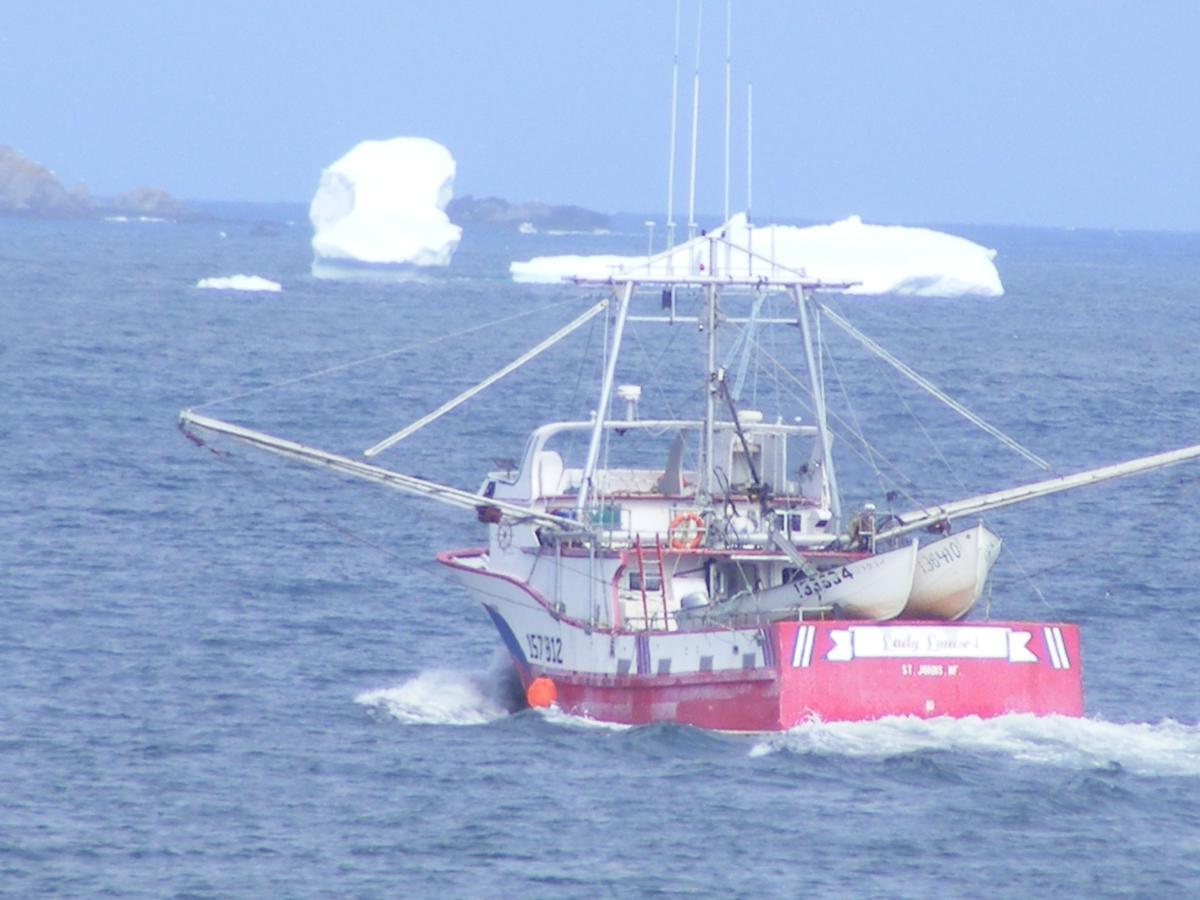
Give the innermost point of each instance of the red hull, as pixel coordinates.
(852, 671)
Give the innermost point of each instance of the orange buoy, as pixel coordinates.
(541, 692)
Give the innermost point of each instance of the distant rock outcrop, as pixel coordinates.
(497, 214)
(28, 188)
(149, 201)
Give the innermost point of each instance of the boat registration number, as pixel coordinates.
(943, 556)
(824, 581)
(544, 648)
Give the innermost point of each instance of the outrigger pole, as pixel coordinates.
(928, 386)
(408, 484)
(489, 381)
(610, 372)
(931, 515)
(817, 388)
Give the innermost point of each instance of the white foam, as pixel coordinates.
(437, 697)
(452, 697)
(240, 283)
(884, 259)
(1166, 748)
(384, 203)
(556, 716)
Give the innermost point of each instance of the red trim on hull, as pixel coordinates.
(737, 701)
(853, 671)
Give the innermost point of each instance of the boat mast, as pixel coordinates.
(750, 162)
(710, 394)
(606, 387)
(728, 96)
(674, 130)
(750, 177)
(695, 126)
(817, 386)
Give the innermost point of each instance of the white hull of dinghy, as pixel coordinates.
(876, 587)
(950, 574)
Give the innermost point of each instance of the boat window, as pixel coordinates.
(791, 523)
(653, 581)
(736, 577)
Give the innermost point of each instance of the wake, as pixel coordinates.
(1166, 748)
(451, 697)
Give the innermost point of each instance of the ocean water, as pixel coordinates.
(228, 676)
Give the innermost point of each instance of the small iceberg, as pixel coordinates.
(883, 259)
(134, 219)
(383, 204)
(240, 283)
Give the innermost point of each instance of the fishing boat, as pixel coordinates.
(700, 569)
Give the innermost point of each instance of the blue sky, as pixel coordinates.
(1060, 113)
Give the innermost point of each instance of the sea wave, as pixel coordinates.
(450, 697)
(1165, 748)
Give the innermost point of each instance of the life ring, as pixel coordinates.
(503, 535)
(686, 531)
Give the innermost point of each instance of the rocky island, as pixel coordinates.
(30, 189)
(493, 213)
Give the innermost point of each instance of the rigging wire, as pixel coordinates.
(746, 342)
(387, 353)
(288, 500)
(802, 399)
(932, 389)
(655, 366)
(577, 391)
(901, 479)
(954, 473)
(855, 423)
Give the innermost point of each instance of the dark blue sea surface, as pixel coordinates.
(225, 675)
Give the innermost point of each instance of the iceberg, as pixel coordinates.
(240, 283)
(883, 259)
(384, 203)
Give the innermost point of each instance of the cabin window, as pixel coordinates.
(734, 578)
(789, 522)
(606, 516)
(653, 581)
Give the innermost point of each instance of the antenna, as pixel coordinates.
(695, 122)
(750, 172)
(728, 69)
(749, 151)
(674, 129)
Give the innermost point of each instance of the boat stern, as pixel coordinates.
(852, 671)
